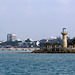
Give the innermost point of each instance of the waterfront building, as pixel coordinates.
(64, 36)
(43, 41)
(36, 43)
(59, 40)
(52, 40)
(28, 44)
(11, 37)
(20, 44)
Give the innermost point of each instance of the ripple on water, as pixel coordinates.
(13, 63)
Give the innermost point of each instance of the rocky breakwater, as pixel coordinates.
(56, 50)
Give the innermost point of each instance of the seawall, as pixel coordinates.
(55, 50)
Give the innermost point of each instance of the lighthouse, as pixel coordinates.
(64, 36)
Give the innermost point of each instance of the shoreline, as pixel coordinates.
(25, 49)
(38, 50)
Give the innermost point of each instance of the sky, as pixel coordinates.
(36, 19)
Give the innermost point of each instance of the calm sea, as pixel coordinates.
(20, 63)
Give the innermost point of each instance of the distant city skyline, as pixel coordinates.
(11, 37)
(36, 19)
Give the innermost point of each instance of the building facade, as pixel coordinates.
(11, 37)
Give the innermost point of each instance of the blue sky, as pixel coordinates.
(36, 19)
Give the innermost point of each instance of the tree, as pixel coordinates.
(15, 43)
(73, 40)
(28, 40)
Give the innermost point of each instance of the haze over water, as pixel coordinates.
(36, 19)
(18, 63)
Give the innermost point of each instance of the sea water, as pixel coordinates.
(21, 63)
